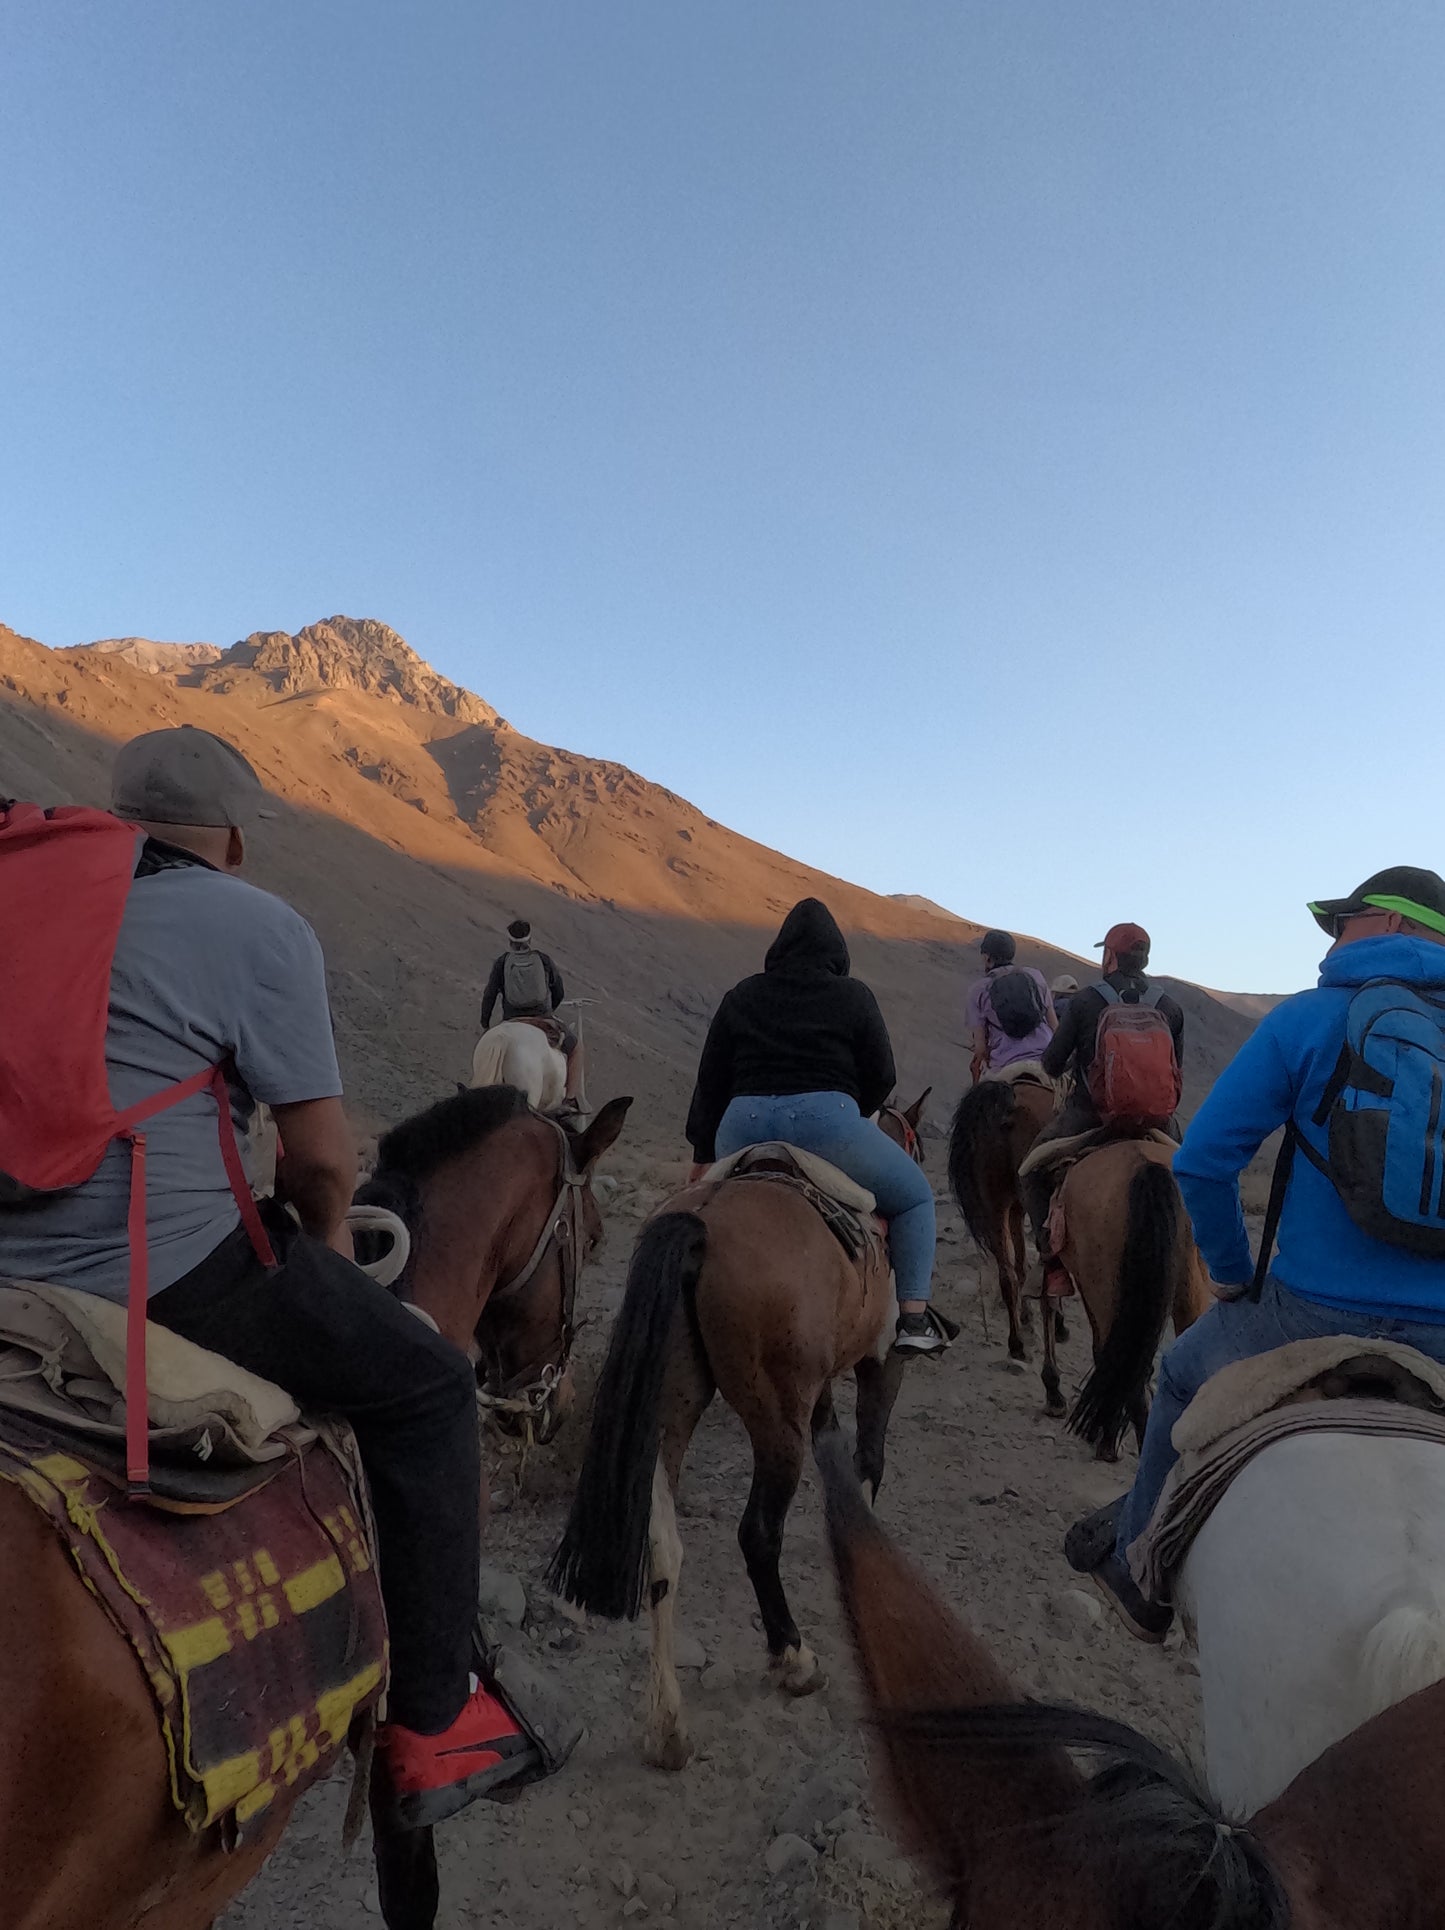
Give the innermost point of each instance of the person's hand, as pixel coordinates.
(976, 1067)
(699, 1170)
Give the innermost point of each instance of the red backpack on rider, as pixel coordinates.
(1134, 1078)
(65, 875)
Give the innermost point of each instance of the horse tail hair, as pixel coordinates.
(978, 1152)
(1172, 1855)
(1404, 1651)
(1109, 1397)
(602, 1560)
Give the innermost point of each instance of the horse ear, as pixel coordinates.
(915, 1111)
(589, 1146)
(914, 1657)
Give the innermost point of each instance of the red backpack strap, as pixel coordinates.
(137, 1377)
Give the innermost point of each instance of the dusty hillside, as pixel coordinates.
(417, 822)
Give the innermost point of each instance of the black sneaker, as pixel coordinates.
(923, 1333)
(1089, 1550)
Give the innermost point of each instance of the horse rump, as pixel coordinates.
(980, 1166)
(1114, 1391)
(601, 1561)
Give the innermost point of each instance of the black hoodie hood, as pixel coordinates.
(809, 941)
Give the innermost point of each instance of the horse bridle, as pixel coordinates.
(528, 1396)
(908, 1129)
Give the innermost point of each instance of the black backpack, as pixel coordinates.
(1018, 1004)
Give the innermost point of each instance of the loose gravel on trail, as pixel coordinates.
(773, 1823)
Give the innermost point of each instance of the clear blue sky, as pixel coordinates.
(992, 450)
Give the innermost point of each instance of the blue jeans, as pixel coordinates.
(830, 1125)
(1238, 1330)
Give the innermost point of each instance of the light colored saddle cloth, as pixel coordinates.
(62, 1359)
(828, 1179)
(1026, 1072)
(1310, 1386)
(1055, 1154)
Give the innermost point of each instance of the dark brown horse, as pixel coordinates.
(989, 1796)
(902, 1124)
(1129, 1248)
(738, 1288)
(996, 1123)
(89, 1837)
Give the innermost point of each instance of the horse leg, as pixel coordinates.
(878, 1382)
(1060, 1327)
(689, 1389)
(665, 1741)
(777, 1468)
(1055, 1405)
(406, 1863)
(1008, 1288)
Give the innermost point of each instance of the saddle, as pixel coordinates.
(245, 1582)
(1338, 1384)
(551, 1029)
(848, 1210)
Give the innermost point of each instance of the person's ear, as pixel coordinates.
(235, 849)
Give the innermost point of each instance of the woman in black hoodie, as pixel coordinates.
(799, 1052)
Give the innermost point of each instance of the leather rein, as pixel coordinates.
(528, 1396)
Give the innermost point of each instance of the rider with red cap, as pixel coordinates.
(1126, 954)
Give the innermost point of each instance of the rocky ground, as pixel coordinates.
(773, 1823)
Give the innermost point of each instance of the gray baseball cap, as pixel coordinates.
(186, 776)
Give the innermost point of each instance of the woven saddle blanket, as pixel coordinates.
(246, 1586)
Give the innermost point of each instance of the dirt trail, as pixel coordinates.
(979, 1490)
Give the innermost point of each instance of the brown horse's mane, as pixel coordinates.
(418, 1146)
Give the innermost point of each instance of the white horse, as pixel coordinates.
(1316, 1592)
(516, 1054)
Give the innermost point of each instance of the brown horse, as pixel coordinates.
(89, 1837)
(1129, 1248)
(738, 1288)
(996, 1123)
(902, 1124)
(988, 1795)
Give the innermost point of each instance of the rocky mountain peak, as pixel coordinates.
(350, 653)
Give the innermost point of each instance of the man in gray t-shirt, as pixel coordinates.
(206, 971)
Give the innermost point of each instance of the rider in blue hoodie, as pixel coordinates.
(1329, 1276)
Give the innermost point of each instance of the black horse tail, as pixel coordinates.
(602, 1561)
(1114, 1391)
(978, 1152)
(1171, 1854)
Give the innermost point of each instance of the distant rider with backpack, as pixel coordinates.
(529, 987)
(1010, 1010)
(1353, 1071)
(1126, 991)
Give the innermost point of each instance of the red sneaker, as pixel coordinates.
(435, 1776)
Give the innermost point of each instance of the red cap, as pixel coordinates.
(1120, 939)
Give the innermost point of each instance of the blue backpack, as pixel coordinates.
(1384, 1114)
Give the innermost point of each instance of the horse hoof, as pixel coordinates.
(1102, 1453)
(797, 1672)
(1061, 1331)
(672, 1751)
(1055, 1407)
(1017, 1350)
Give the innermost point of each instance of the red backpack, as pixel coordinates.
(64, 879)
(1134, 1077)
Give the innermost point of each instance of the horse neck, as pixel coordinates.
(480, 1217)
(1356, 1837)
(958, 1808)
